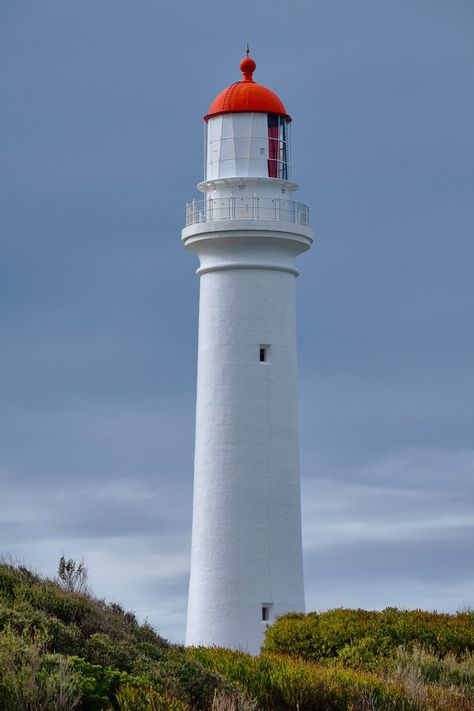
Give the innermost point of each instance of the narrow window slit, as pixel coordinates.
(264, 353)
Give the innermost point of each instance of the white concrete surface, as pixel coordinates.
(246, 539)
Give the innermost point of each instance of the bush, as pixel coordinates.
(362, 638)
(285, 684)
(418, 665)
(51, 599)
(101, 649)
(73, 575)
(31, 679)
(136, 696)
(190, 680)
(98, 684)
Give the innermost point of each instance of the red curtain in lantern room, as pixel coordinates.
(273, 146)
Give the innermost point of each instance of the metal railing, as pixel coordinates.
(246, 208)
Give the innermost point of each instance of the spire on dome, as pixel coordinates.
(248, 66)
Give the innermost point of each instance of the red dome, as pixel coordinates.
(247, 95)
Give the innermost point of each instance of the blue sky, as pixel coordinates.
(101, 107)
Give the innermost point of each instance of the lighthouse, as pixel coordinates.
(247, 231)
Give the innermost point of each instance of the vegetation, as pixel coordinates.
(279, 682)
(365, 639)
(62, 649)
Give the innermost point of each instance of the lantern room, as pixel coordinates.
(247, 131)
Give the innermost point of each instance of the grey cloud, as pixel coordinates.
(102, 146)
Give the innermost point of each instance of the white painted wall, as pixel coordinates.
(237, 144)
(246, 544)
(246, 540)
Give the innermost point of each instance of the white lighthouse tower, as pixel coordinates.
(246, 560)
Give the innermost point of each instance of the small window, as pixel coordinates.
(264, 353)
(265, 613)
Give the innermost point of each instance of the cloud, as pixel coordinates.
(103, 147)
(396, 532)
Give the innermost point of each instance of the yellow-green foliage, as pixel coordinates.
(283, 684)
(143, 697)
(419, 666)
(362, 638)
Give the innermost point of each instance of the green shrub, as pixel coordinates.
(63, 638)
(101, 649)
(362, 638)
(8, 580)
(421, 666)
(32, 679)
(50, 598)
(11, 575)
(136, 696)
(98, 684)
(283, 684)
(286, 684)
(22, 618)
(190, 680)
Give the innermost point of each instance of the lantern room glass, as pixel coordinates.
(277, 147)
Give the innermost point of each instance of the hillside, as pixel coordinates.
(63, 649)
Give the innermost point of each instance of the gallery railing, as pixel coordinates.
(247, 208)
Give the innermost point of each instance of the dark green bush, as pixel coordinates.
(70, 608)
(191, 681)
(62, 638)
(101, 649)
(98, 684)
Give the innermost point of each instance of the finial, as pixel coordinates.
(247, 65)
